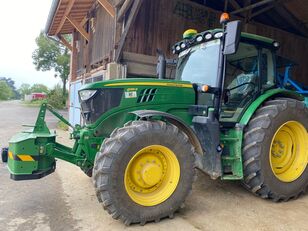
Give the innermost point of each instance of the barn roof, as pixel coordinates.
(288, 15)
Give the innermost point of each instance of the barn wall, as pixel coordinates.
(161, 23)
(102, 34)
(100, 46)
(292, 46)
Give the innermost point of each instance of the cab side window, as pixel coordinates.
(242, 74)
(242, 81)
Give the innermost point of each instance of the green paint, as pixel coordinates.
(257, 103)
(232, 153)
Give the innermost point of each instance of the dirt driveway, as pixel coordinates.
(65, 200)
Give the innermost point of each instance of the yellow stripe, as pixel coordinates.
(150, 84)
(25, 158)
(11, 155)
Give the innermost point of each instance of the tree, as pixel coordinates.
(11, 84)
(5, 91)
(24, 89)
(39, 88)
(51, 55)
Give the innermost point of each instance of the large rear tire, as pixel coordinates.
(275, 151)
(144, 171)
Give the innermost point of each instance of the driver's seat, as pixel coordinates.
(238, 98)
(246, 78)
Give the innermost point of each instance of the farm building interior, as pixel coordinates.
(120, 38)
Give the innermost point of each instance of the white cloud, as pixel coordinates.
(20, 23)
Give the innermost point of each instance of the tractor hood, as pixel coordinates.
(102, 99)
(126, 83)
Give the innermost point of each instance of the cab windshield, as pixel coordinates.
(199, 64)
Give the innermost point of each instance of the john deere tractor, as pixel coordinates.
(223, 114)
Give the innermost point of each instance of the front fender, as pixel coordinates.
(179, 123)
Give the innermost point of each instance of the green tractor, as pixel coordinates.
(143, 139)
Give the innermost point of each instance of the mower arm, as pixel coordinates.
(40, 125)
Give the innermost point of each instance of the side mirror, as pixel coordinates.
(233, 35)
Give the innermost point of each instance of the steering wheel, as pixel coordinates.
(243, 84)
(227, 94)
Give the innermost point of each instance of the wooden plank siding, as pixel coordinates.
(161, 23)
(102, 32)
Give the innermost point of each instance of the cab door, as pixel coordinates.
(242, 81)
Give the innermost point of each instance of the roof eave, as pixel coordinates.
(52, 12)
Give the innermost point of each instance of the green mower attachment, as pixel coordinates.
(30, 152)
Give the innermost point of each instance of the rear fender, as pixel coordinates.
(266, 96)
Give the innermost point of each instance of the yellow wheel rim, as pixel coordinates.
(152, 175)
(289, 151)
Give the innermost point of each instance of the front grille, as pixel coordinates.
(147, 95)
(103, 101)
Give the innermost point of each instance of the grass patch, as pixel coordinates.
(62, 126)
(33, 103)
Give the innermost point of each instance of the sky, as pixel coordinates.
(20, 23)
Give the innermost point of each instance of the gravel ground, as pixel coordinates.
(66, 200)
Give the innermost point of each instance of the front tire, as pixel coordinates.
(144, 171)
(275, 151)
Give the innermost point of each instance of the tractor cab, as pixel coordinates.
(249, 71)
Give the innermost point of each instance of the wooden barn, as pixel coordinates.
(120, 38)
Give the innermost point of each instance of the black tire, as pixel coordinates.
(258, 175)
(4, 155)
(115, 154)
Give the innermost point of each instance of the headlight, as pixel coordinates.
(276, 44)
(183, 45)
(199, 39)
(219, 35)
(86, 94)
(208, 36)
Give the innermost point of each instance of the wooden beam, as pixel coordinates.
(250, 7)
(125, 7)
(84, 20)
(292, 20)
(131, 19)
(78, 27)
(74, 54)
(264, 9)
(107, 6)
(65, 42)
(67, 11)
(234, 4)
(119, 3)
(226, 5)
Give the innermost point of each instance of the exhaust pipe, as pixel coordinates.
(161, 64)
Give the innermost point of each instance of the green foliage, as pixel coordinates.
(55, 97)
(51, 55)
(11, 84)
(62, 126)
(39, 88)
(5, 91)
(24, 89)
